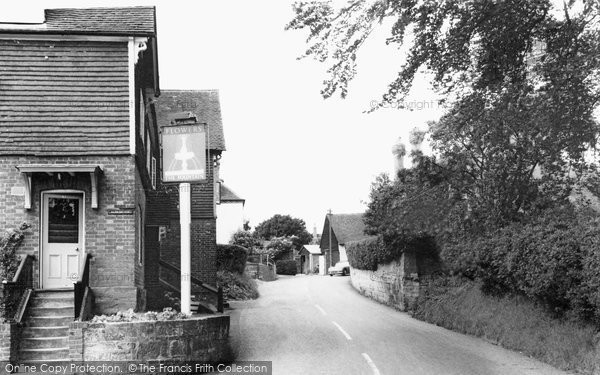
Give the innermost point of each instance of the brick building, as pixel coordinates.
(163, 213)
(81, 113)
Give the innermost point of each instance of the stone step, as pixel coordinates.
(26, 355)
(44, 342)
(49, 321)
(45, 331)
(64, 310)
(52, 301)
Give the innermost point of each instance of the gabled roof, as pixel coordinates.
(348, 227)
(313, 249)
(204, 104)
(131, 21)
(228, 195)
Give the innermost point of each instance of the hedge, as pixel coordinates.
(554, 259)
(231, 258)
(286, 267)
(367, 254)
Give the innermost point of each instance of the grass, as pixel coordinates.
(512, 322)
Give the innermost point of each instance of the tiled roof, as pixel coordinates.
(228, 195)
(204, 104)
(348, 227)
(139, 20)
(313, 249)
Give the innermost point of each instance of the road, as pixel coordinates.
(321, 325)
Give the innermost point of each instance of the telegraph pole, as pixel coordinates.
(329, 220)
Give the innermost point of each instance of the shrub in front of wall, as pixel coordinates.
(231, 258)
(364, 254)
(286, 267)
(237, 286)
(367, 254)
(9, 243)
(553, 259)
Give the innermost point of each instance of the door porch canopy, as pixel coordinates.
(27, 170)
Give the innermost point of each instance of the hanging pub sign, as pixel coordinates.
(184, 153)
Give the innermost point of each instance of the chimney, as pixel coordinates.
(399, 151)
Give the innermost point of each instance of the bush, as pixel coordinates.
(367, 254)
(9, 243)
(231, 258)
(237, 286)
(553, 259)
(286, 267)
(131, 316)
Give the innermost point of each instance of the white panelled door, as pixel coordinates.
(62, 239)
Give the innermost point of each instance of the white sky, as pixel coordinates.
(288, 150)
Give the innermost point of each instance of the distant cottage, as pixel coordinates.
(338, 230)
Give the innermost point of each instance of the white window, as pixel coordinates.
(153, 173)
(142, 116)
(148, 153)
(139, 222)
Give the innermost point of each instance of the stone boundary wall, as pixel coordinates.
(196, 339)
(395, 284)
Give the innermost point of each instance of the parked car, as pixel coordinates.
(340, 268)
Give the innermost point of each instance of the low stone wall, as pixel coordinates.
(395, 284)
(195, 339)
(260, 271)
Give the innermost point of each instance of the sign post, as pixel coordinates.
(184, 161)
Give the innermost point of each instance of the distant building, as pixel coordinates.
(309, 259)
(343, 229)
(230, 213)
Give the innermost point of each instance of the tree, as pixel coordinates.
(521, 85)
(465, 44)
(245, 239)
(283, 226)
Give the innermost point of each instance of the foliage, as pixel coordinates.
(368, 253)
(552, 258)
(365, 254)
(9, 243)
(237, 286)
(286, 267)
(520, 82)
(231, 258)
(512, 322)
(278, 247)
(130, 316)
(246, 239)
(283, 226)
(466, 45)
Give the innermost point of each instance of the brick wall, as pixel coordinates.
(115, 277)
(395, 284)
(9, 338)
(197, 339)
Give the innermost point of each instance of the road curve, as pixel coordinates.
(321, 325)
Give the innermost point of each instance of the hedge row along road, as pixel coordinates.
(321, 325)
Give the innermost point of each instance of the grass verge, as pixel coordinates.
(512, 322)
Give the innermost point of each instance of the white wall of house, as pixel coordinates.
(230, 219)
(343, 255)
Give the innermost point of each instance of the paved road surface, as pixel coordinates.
(321, 325)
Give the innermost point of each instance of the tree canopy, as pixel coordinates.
(283, 226)
(520, 78)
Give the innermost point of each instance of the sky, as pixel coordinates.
(289, 151)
